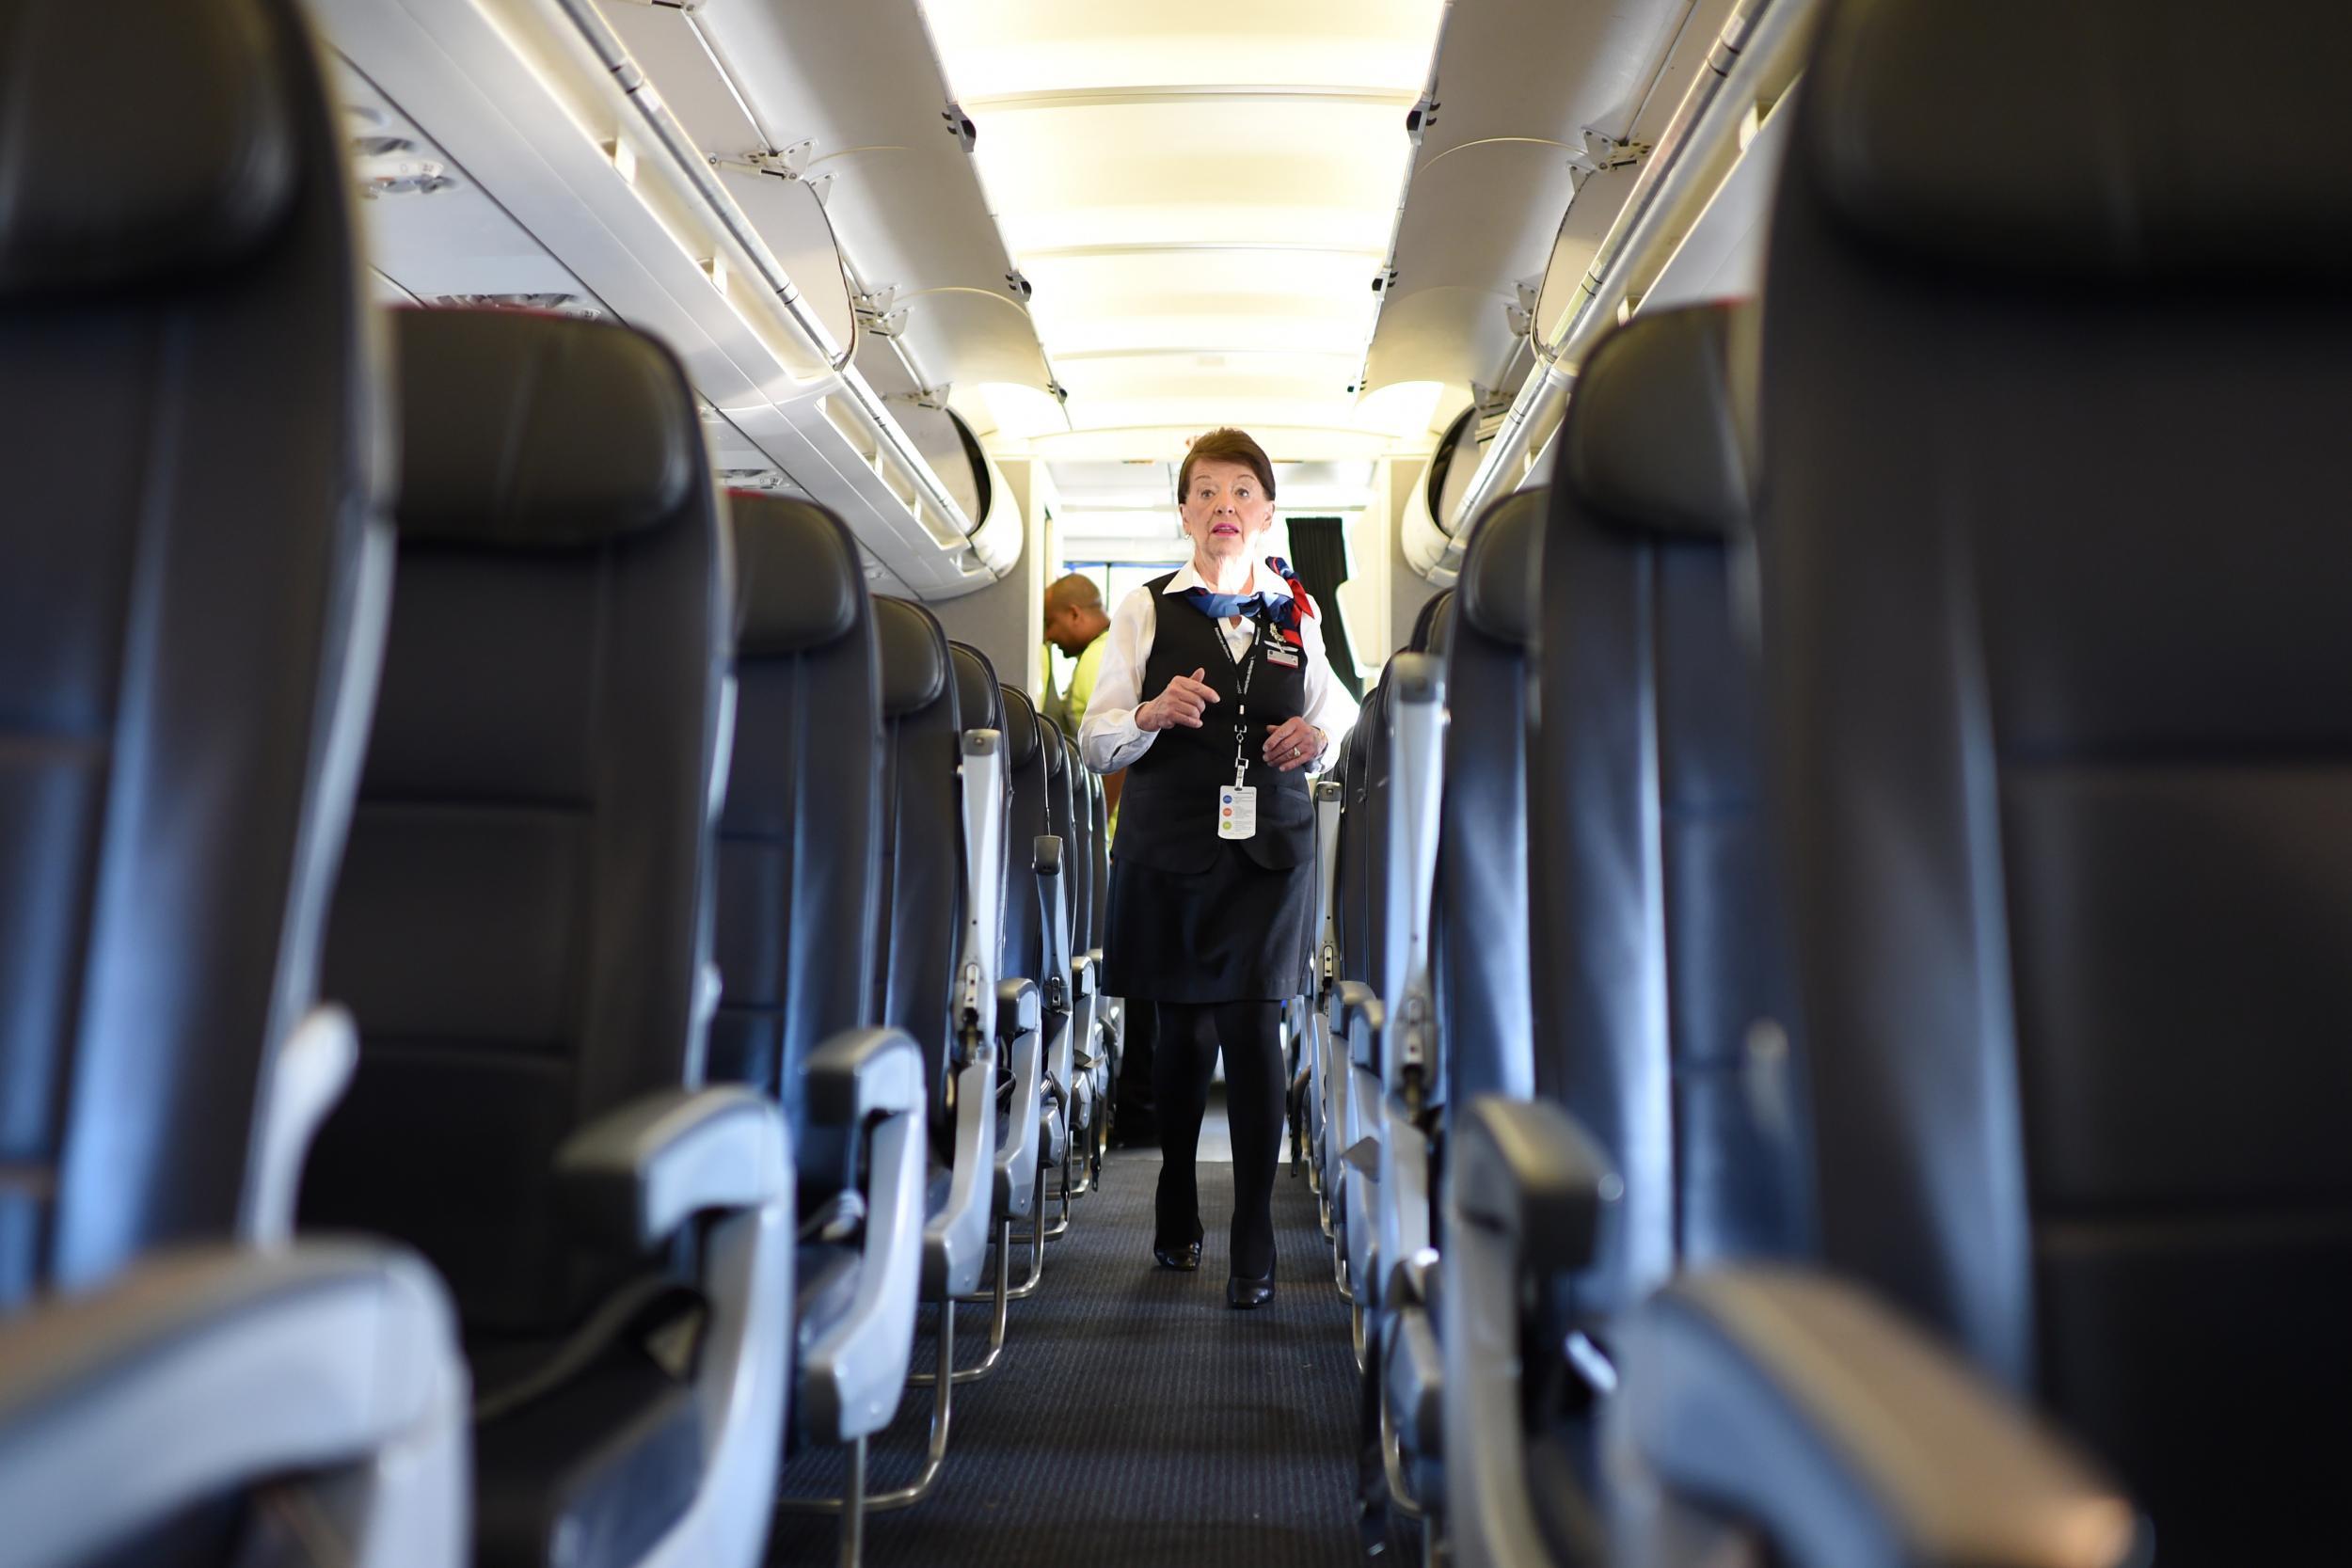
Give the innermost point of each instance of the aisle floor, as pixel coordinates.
(1136, 1420)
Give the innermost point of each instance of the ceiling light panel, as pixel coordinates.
(1201, 194)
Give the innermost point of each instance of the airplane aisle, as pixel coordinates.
(1186, 1434)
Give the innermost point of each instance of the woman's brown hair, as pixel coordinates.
(1226, 446)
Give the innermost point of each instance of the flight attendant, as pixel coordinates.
(1216, 696)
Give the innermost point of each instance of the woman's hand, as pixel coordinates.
(1186, 700)
(1294, 744)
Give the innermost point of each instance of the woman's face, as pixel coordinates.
(1226, 510)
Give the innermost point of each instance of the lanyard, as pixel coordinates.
(1244, 669)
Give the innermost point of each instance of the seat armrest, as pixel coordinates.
(197, 1374)
(1020, 1011)
(1362, 1019)
(1802, 1406)
(1526, 1170)
(634, 1175)
(860, 1073)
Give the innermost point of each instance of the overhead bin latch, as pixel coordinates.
(1420, 116)
(790, 163)
(959, 125)
(1603, 150)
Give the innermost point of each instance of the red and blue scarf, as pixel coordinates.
(1286, 613)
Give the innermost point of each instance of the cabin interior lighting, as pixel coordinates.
(1200, 194)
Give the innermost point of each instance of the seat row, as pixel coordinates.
(711, 945)
(1835, 931)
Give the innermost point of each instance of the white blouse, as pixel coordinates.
(1110, 739)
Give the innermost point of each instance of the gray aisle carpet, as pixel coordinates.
(1135, 1421)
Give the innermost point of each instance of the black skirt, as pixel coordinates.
(1236, 932)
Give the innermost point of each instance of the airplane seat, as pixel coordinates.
(1027, 949)
(923, 872)
(1478, 962)
(522, 929)
(194, 564)
(1057, 906)
(2060, 707)
(1653, 939)
(1660, 984)
(799, 863)
(985, 702)
(1487, 629)
(1072, 798)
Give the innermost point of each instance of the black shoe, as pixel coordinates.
(1184, 1257)
(1242, 1293)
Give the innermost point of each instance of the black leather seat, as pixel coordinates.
(1026, 951)
(1659, 996)
(920, 928)
(921, 910)
(1660, 985)
(1478, 947)
(1057, 906)
(799, 860)
(2061, 698)
(194, 559)
(983, 704)
(522, 929)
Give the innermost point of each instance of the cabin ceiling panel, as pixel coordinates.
(1201, 194)
(1519, 84)
(1003, 47)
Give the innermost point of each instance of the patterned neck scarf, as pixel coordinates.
(1285, 612)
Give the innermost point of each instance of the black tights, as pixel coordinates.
(1185, 1061)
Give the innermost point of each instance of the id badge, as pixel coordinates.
(1237, 812)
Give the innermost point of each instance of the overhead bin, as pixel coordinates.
(1691, 186)
(851, 89)
(541, 105)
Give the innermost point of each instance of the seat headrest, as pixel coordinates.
(980, 701)
(143, 139)
(1056, 747)
(1652, 440)
(529, 429)
(1501, 583)
(2124, 178)
(797, 575)
(1419, 641)
(1441, 634)
(914, 660)
(1021, 728)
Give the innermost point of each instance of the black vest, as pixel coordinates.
(1168, 810)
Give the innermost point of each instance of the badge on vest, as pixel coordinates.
(1281, 656)
(1237, 812)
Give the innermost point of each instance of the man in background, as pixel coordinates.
(1075, 622)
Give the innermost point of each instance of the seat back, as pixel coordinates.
(193, 561)
(1061, 819)
(1659, 988)
(1352, 891)
(980, 698)
(522, 922)
(800, 833)
(1480, 932)
(921, 910)
(2054, 573)
(1020, 954)
(1098, 847)
(1078, 852)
